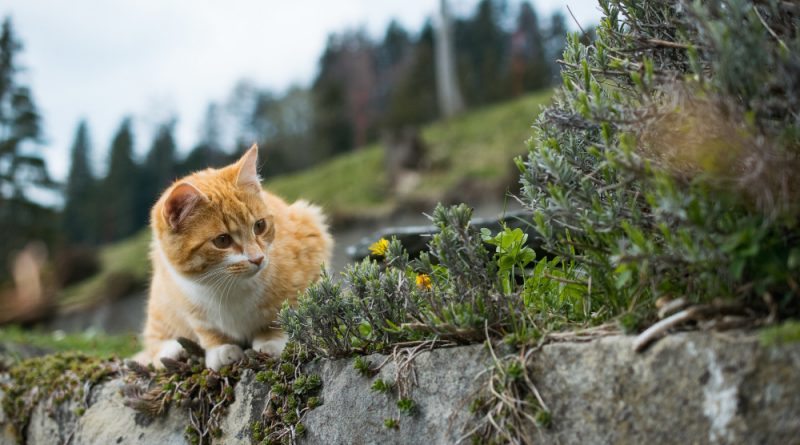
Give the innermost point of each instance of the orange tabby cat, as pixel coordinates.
(226, 255)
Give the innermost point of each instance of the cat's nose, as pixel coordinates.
(257, 260)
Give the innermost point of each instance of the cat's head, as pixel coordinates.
(215, 223)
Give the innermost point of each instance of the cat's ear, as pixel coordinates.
(180, 203)
(247, 176)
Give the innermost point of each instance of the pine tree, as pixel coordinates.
(208, 152)
(530, 69)
(22, 168)
(414, 100)
(80, 208)
(332, 129)
(120, 188)
(158, 171)
(555, 42)
(482, 45)
(282, 124)
(393, 60)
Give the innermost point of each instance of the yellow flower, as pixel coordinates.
(423, 281)
(379, 247)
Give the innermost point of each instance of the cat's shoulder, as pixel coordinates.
(304, 210)
(302, 215)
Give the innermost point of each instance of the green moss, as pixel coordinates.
(292, 393)
(61, 378)
(784, 333)
(204, 393)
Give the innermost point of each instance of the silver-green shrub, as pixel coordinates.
(668, 165)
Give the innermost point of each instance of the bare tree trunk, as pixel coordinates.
(450, 100)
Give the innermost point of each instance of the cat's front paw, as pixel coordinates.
(272, 347)
(220, 356)
(170, 349)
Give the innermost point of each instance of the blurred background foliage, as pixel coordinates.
(341, 141)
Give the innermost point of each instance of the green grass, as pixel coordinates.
(350, 185)
(479, 146)
(97, 345)
(781, 334)
(476, 147)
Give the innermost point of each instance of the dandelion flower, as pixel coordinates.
(379, 247)
(423, 281)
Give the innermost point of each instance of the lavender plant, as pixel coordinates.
(455, 292)
(667, 166)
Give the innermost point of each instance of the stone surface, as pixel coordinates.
(353, 414)
(692, 388)
(687, 388)
(250, 399)
(109, 421)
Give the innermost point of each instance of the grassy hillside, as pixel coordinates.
(126, 260)
(476, 148)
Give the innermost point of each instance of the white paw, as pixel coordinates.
(220, 356)
(142, 358)
(170, 349)
(272, 347)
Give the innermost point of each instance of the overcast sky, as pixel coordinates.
(101, 60)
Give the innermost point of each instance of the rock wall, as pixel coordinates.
(688, 388)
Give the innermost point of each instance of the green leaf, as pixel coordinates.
(623, 278)
(794, 258)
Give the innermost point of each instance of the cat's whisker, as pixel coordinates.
(223, 297)
(220, 284)
(212, 280)
(210, 274)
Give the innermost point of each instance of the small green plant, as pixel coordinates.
(543, 418)
(451, 292)
(511, 255)
(206, 393)
(190, 385)
(476, 405)
(382, 386)
(363, 366)
(292, 394)
(391, 423)
(406, 406)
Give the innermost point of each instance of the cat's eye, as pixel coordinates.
(259, 227)
(223, 241)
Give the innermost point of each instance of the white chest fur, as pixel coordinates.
(231, 304)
